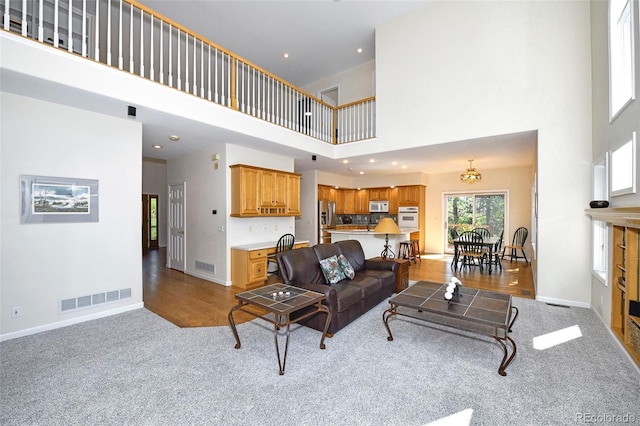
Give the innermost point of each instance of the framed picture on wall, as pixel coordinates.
(46, 199)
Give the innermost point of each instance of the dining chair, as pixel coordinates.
(482, 231)
(285, 243)
(497, 261)
(454, 234)
(471, 249)
(519, 238)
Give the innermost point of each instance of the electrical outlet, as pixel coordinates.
(16, 312)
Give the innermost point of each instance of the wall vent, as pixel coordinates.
(81, 302)
(207, 267)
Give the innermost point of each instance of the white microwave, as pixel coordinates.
(378, 207)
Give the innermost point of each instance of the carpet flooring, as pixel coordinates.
(137, 369)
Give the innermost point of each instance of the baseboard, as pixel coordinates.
(554, 301)
(207, 277)
(68, 322)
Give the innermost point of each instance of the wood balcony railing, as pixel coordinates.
(134, 38)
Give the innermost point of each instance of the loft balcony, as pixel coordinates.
(135, 39)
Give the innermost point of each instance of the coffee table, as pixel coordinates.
(485, 312)
(280, 301)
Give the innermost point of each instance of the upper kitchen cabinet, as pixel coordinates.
(379, 194)
(264, 192)
(411, 195)
(345, 201)
(393, 200)
(361, 201)
(326, 192)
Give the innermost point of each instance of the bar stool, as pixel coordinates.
(415, 249)
(405, 251)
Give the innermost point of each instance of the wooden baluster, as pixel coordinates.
(215, 75)
(201, 69)
(170, 70)
(7, 18)
(161, 61)
(179, 63)
(7, 21)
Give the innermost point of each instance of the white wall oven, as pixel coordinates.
(408, 217)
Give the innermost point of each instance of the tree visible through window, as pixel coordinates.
(468, 211)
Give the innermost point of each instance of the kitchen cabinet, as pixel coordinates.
(245, 191)
(361, 201)
(264, 192)
(293, 195)
(379, 194)
(249, 263)
(410, 195)
(348, 201)
(393, 201)
(326, 192)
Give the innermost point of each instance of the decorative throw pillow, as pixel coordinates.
(346, 267)
(332, 270)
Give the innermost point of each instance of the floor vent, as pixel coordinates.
(82, 302)
(207, 267)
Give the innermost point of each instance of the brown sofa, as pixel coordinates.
(374, 281)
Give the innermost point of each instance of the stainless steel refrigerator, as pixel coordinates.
(326, 220)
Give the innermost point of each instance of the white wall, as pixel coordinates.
(516, 181)
(606, 135)
(353, 84)
(477, 69)
(154, 181)
(44, 263)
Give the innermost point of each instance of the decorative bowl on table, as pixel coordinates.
(599, 204)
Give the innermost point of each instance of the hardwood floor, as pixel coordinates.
(188, 301)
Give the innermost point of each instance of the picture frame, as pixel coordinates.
(47, 199)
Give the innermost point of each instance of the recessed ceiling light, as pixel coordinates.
(359, 50)
(285, 55)
(174, 138)
(361, 173)
(345, 161)
(372, 160)
(394, 163)
(404, 167)
(157, 146)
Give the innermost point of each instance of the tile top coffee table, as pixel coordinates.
(279, 301)
(479, 311)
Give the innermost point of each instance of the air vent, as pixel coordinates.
(207, 267)
(81, 302)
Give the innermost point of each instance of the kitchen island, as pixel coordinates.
(372, 242)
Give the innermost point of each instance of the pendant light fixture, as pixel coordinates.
(470, 176)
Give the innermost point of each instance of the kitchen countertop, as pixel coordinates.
(263, 245)
(365, 232)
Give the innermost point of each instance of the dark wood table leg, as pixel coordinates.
(505, 362)
(322, 308)
(276, 326)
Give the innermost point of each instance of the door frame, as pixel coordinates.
(445, 211)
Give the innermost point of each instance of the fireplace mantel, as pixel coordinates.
(625, 216)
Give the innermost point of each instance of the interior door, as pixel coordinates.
(176, 252)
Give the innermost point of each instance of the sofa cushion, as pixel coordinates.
(346, 267)
(332, 269)
(386, 278)
(347, 295)
(369, 286)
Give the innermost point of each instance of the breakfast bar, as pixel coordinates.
(372, 242)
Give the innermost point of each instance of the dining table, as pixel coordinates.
(488, 243)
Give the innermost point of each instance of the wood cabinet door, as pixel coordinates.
(393, 200)
(339, 201)
(379, 194)
(408, 195)
(362, 201)
(245, 191)
(349, 196)
(293, 195)
(280, 189)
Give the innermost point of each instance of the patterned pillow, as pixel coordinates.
(346, 267)
(332, 270)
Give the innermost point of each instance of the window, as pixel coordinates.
(465, 211)
(621, 61)
(623, 168)
(599, 228)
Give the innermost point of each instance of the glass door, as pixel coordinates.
(466, 211)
